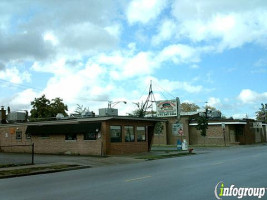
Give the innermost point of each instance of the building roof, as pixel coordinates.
(84, 120)
(220, 123)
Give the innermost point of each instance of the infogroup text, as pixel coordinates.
(239, 192)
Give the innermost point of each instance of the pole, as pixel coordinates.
(32, 153)
(224, 137)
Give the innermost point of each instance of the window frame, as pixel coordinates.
(125, 133)
(88, 138)
(138, 133)
(120, 132)
(18, 134)
(28, 136)
(73, 136)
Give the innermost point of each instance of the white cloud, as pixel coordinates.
(180, 53)
(144, 10)
(214, 102)
(49, 36)
(222, 24)
(171, 86)
(166, 30)
(14, 75)
(250, 96)
(194, 66)
(23, 98)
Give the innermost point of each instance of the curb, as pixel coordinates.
(45, 172)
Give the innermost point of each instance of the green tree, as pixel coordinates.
(202, 125)
(139, 112)
(57, 106)
(40, 108)
(261, 114)
(189, 107)
(44, 108)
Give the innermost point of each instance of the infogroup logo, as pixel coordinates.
(239, 192)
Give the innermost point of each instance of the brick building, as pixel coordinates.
(234, 132)
(88, 136)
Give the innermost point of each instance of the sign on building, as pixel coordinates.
(257, 124)
(178, 129)
(167, 108)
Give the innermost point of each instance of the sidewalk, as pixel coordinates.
(55, 163)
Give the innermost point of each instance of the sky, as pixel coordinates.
(90, 52)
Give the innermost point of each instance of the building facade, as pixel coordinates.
(89, 136)
(220, 132)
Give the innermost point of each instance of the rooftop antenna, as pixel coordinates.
(150, 98)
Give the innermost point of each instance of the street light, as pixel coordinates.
(112, 104)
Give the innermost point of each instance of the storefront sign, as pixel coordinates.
(167, 108)
(178, 129)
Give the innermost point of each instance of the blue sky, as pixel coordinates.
(91, 52)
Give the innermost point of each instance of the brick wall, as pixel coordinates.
(171, 138)
(113, 148)
(54, 144)
(162, 137)
(214, 136)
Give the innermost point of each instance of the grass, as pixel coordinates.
(30, 170)
(156, 157)
(12, 165)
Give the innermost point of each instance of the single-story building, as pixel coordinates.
(85, 136)
(228, 132)
(220, 132)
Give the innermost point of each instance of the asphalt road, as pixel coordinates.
(186, 178)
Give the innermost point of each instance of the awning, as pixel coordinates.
(80, 128)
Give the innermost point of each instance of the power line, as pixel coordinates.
(20, 85)
(165, 91)
(23, 86)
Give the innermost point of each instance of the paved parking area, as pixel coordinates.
(22, 158)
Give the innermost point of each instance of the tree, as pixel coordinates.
(44, 108)
(202, 125)
(261, 114)
(139, 112)
(40, 108)
(57, 106)
(80, 110)
(189, 107)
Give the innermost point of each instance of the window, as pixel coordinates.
(28, 136)
(129, 133)
(141, 133)
(89, 136)
(71, 136)
(239, 130)
(18, 134)
(115, 133)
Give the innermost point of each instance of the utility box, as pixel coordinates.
(108, 112)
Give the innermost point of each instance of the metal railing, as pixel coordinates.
(30, 145)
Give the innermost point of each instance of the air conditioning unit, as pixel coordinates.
(108, 112)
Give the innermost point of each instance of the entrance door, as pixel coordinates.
(150, 133)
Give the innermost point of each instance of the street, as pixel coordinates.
(189, 177)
